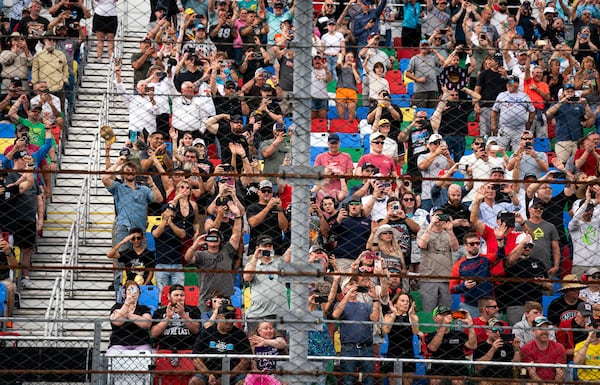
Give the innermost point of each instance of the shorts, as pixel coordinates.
(105, 24)
(24, 234)
(318, 104)
(346, 95)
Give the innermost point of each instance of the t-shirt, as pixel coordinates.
(544, 234)
(209, 279)
(559, 310)
(554, 354)
(436, 259)
(439, 163)
(212, 341)
(176, 335)
(134, 261)
(451, 348)
(504, 354)
(129, 333)
(356, 333)
(518, 292)
(592, 358)
(168, 247)
(269, 226)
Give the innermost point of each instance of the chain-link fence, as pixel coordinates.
(288, 192)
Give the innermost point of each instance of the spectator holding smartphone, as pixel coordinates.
(498, 347)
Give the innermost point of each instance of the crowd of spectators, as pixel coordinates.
(207, 117)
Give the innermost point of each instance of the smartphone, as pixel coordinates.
(377, 264)
(463, 167)
(6, 236)
(211, 238)
(132, 290)
(494, 148)
(372, 255)
(459, 314)
(230, 182)
(321, 299)
(266, 253)
(507, 337)
(541, 43)
(362, 289)
(396, 206)
(559, 174)
(133, 136)
(443, 31)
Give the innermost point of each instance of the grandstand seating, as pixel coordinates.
(350, 140)
(355, 153)
(473, 128)
(332, 112)
(149, 296)
(192, 295)
(314, 151)
(546, 300)
(343, 125)
(3, 299)
(319, 125)
(7, 130)
(318, 139)
(401, 100)
(169, 366)
(541, 144)
(394, 78)
(362, 112)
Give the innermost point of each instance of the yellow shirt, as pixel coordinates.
(592, 358)
(52, 67)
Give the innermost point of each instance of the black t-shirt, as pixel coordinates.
(517, 293)
(226, 136)
(176, 336)
(454, 119)
(129, 334)
(504, 354)
(28, 27)
(168, 247)
(224, 39)
(269, 226)
(184, 76)
(451, 348)
(228, 105)
(76, 16)
(559, 310)
(491, 84)
(134, 262)
(211, 341)
(400, 337)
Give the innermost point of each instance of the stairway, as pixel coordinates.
(90, 300)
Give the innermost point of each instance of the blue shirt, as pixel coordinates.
(361, 20)
(356, 333)
(568, 122)
(412, 15)
(131, 205)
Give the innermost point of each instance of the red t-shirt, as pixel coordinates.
(554, 354)
(536, 98)
(590, 165)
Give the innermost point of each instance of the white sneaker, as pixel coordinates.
(27, 283)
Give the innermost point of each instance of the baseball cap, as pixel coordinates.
(494, 322)
(549, 10)
(16, 82)
(585, 309)
(333, 138)
(264, 240)
(384, 121)
(331, 22)
(434, 137)
(437, 208)
(279, 126)
(541, 320)
(200, 26)
(20, 154)
(440, 310)
(536, 202)
(227, 311)
(591, 271)
(569, 86)
(176, 287)
(529, 175)
(36, 107)
(497, 169)
(236, 118)
(354, 198)
(265, 184)
(267, 87)
(198, 141)
(367, 165)
(376, 136)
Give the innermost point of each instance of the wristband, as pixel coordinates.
(375, 300)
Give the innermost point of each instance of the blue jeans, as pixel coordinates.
(169, 278)
(367, 366)
(331, 62)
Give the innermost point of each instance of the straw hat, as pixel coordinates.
(107, 133)
(571, 285)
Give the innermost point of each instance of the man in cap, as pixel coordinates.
(275, 150)
(581, 229)
(570, 113)
(539, 93)
(334, 44)
(15, 61)
(423, 68)
(571, 332)
(213, 252)
(390, 146)
(431, 164)
(224, 32)
(449, 343)
(268, 298)
(176, 325)
(512, 113)
(33, 25)
(12, 95)
(532, 161)
(230, 131)
(367, 21)
(415, 136)
(274, 17)
(350, 233)
(50, 64)
(542, 350)
(266, 217)
(191, 69)
(357, 337)
(334, 161)
(524, 328)
(221, 338)
(201, 47)
(497, 349)
(546, 238)
(564, 308)
(230, 101)
(484, 207)
(385, 163)
(437, 242)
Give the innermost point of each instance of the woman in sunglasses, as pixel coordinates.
(411, 209)
(138, 260)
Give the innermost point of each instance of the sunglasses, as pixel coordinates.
(527, 138)
(473, 243)
(478, 143)
(230, 88)
(528, 246)
(138, 238)
(365, 269)
(408, 199)
(377, 142)
(386, 233)
(437, 142)
(492, 306)
(354, 203)
(495, 330)
(595, 276)
(266, 191)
